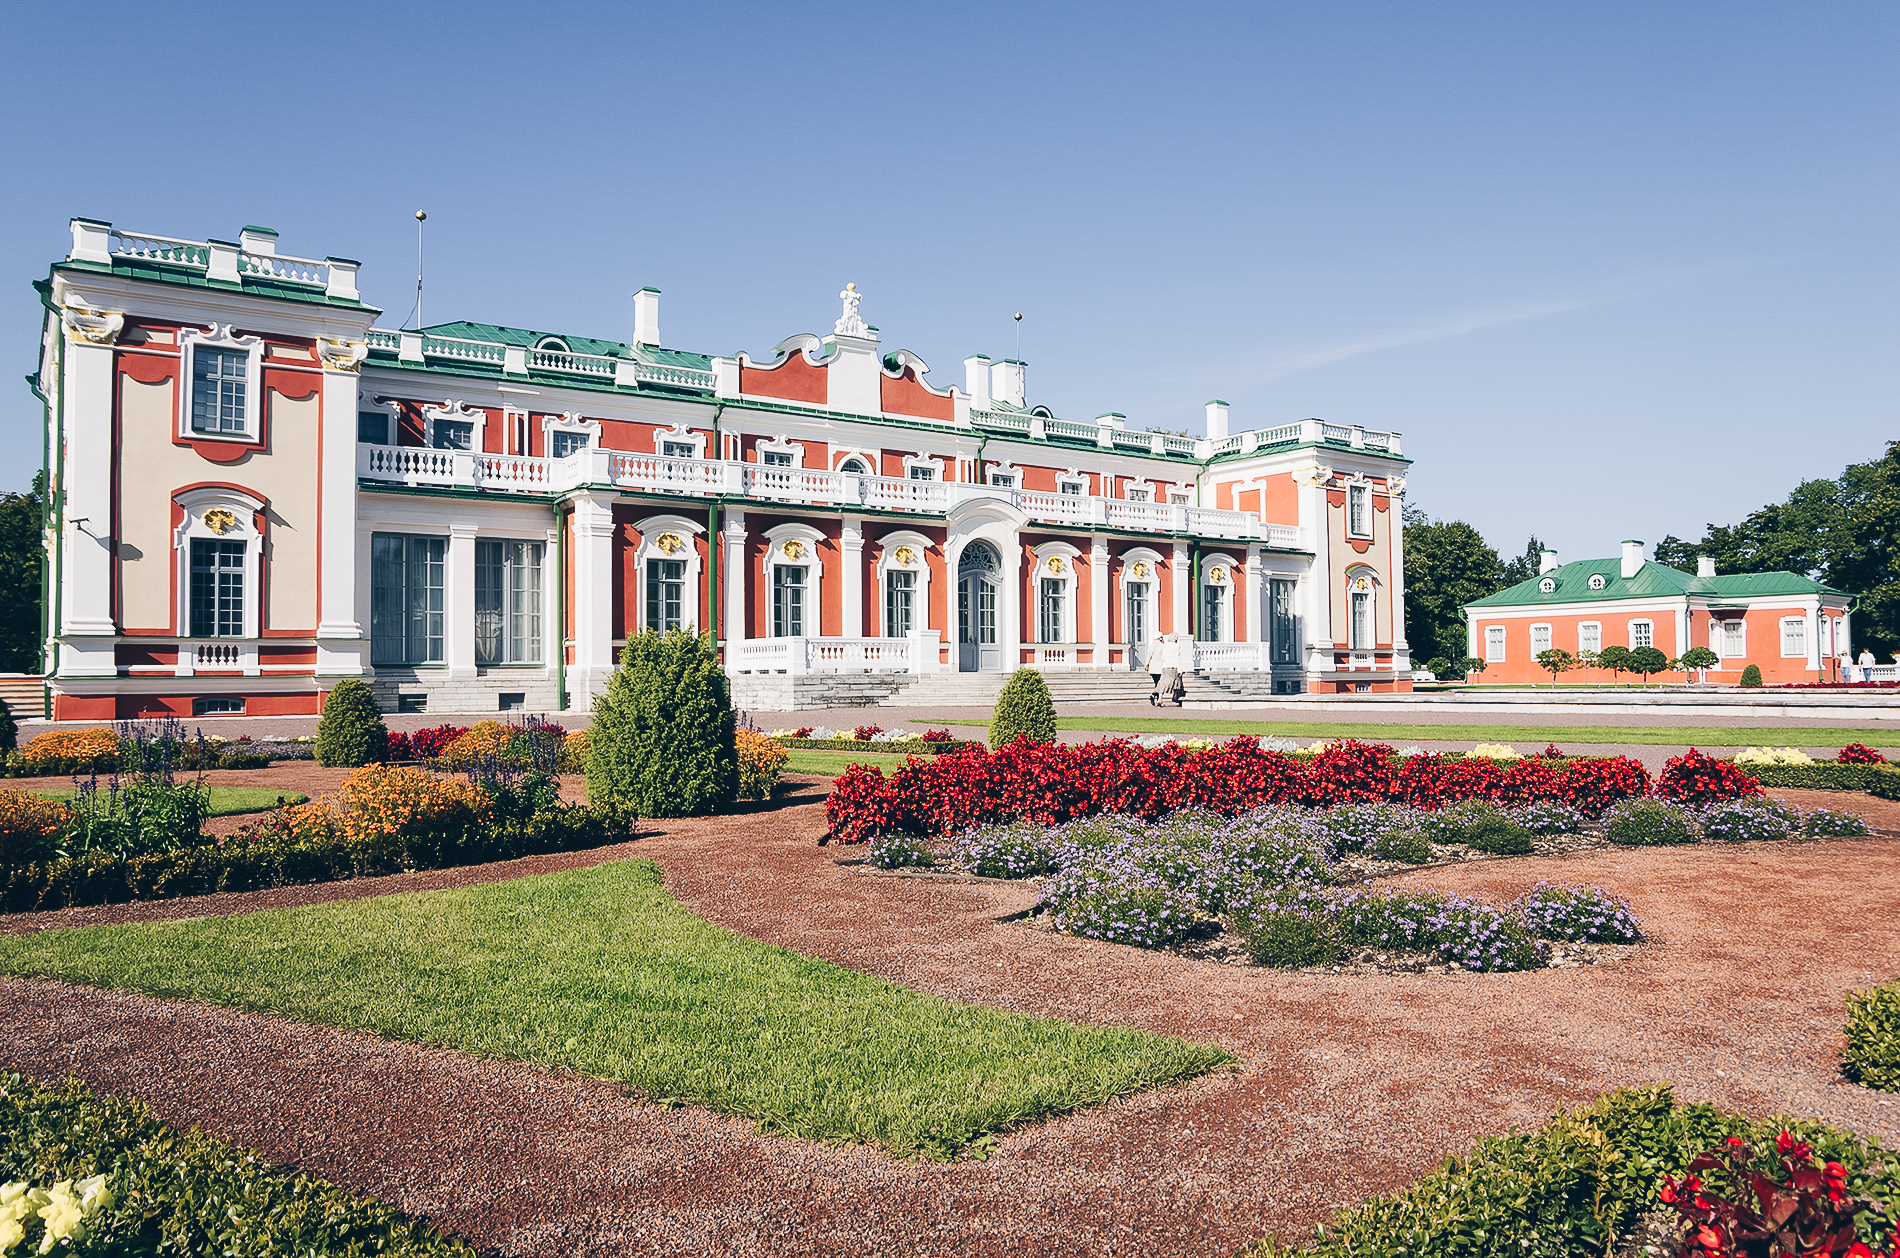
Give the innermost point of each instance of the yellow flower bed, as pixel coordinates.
(1772, 755)
(760, 761)
(380, 799)
(71, 744)
(1495, 751)
(26, 822)
(44, 1217)
(574, 752)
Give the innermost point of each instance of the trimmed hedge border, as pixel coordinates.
(183, 1192)
(913, 747)
(18, 766)
(1823, 775)
(1572, 1186)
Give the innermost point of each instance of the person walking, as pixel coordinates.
(1152, 658)
(1170, 687)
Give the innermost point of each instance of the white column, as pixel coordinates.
(1256, 605)
(1316, 603)
(733, 603)
(1401, 649)
(340, 646)
(851, 549)
(1098, 599)
(1183, 572)
(592, 566)
(1011, 577)
(88, 484)
(458, 602)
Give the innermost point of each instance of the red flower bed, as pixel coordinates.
(1694, 778)
(1859, 753)
(1051, 783)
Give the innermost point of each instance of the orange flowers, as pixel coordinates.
(28, 823)
(71, 744)
(760, 759)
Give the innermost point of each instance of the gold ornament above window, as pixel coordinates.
(220, 521)
(1141, 572)
(1217, 575)
(793, 549)
(668, 543)
(904, 556)
(1362, 584)
(1055, 563)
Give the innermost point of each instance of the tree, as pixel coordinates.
(1023, 710)
(1446, 566)
(22, 564)
(1522, 568)
(1555, 661)
(1646, 660)
(351, 732)
(1693, 658)
(1472, 664)
(663, 742)
(1616, 659)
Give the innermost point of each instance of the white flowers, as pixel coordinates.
(55, 1214)
(1772, 755)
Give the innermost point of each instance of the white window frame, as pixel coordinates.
(1003, 468)
(927, 463)
(1593, 626)
(781, 444)
(572, 424)
(651, 529)
(1598, 580)
(919, 566)
(1230, 604)
(1152, 581)
(843, 455)
(775, 558)
(1719, 637)
(1073, 477)
(1138, 485)
(1068, 555)
(1802, 623)
(222, 337)
(542, 573)
(365, 404)
(458, 413)
(679, 434)
(1360, 492)
(1357, 575)
(1549, 638)
(1494, 644)
(1647, 624)
(196, 503)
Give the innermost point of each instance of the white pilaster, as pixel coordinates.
(340, 650)
(1401, 647)
(1098, 600)
(86, 578)
(1256, 603)
(733, 604)
(458, 601)
(851, 549)
(593, 577)
(1182, 569)
(1316, 607)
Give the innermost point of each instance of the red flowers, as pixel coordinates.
(1785, 1204)
(936, 735)
(1859, 753)
(1695, 779)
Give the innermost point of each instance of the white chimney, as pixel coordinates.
(646, 317)
(1216, 420)
(976, 380)
(1006, 382)
(1547, 559)
(1705, 567)
(1632, 558)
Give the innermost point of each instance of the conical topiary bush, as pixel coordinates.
(1023, 710)
(351, 732)
(662, 739)
(1751, 676)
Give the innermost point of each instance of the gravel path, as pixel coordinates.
(1349, 1085)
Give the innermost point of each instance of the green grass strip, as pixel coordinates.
(832, 763)
(1651, 735)
(226, 801)
(601, 972)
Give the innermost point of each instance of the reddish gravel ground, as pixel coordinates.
(1349, 1085)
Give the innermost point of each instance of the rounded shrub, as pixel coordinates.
(1750, 821)
(1023, 710)
(1751, 676)
(1288, 938)
(351, 733)
(1499, 835)
(664, 741)
(1872, 1055)
(1648, 823)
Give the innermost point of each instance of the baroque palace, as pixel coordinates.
(255, 491)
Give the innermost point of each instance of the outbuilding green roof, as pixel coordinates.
(1652, 580)
(496, 334)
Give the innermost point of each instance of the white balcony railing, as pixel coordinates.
(798, 656)
(215, 655)
(1230, 656)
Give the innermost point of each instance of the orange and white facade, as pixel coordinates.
(256, 491)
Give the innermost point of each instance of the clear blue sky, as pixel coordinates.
(1613, 270)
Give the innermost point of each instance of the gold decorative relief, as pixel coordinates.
(220, 521)
(1141, 572)
(1217, 575)
(904, 556)
(341, 355)
(668, 543)
(1361, 584)
(1056, 564)
(793, 549)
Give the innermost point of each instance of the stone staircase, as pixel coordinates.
(948, 690)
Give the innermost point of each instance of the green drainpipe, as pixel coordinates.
(560, 607)
(53, 513)
(712, 543)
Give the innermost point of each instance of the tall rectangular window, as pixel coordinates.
(1359, 614)
(1359, 510)
(1540, 640)
(1049, 609)
(666, 594)
(1794, 637)
(788, 602)
(507, 602)
(406, 599)
(1590, 636)
(1729, 639)
(1286, 627)
(1494, 644)
(1213, 613)
(1642, 634)
(899, 590)
(217, 390)
(373, 426)
(217, 588)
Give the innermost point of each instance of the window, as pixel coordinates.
(1642, 634)
(1729, 639)
(1074, 488)
(1540, 640)
(1590, 636)
(454, 434)
(511, 701)
(1597, 581)
(1794, 637)
(1548, 585)
(1139, 495)
(1213, 613)
(1002, 480)
(406, 599)
(1360, 619)
(562, 444)
(217, 588)
(1178, 498)
(899, 590)
(923, 473)
(217, 707)
(1286, 628)
(788, 602)
(218, 378)
(507, 602)
(776, 458)
(854, 467)
(1049, 609)
(373, 426)
(666, 593)
(680, 450)
(1494, 644)
(1359, 510)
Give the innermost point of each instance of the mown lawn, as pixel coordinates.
(1396, 732)
(832, 763)
(601, 972)
(226, 801)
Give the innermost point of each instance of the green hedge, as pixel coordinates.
(1823, 775)
(1571, 1186)
(275, 859)
(185, 1193)
(918, 747)
(1872, 1056)
(18, 766)
(1885, 782)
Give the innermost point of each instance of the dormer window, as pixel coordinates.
(1547, 586)
(1596, 581)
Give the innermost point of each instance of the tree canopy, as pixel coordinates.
(22, 562)
(1447, 565)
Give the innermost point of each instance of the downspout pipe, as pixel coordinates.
(560, 602)
(713, 511)
(52, 508)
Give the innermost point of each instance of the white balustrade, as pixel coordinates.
(576, 364)
(288, 270)
(462, 349)
(144, 248)
(1285, 536)
(379, 338)
(672, 476)
(1212, 521)
(1230, 656)
(799, 656)
(1053, 656)
(216, 655)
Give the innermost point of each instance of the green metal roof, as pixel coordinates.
(496, 334)
(1652, 580)
(194, 277)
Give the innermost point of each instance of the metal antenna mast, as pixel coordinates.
(420, 216)
(1019, 336)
